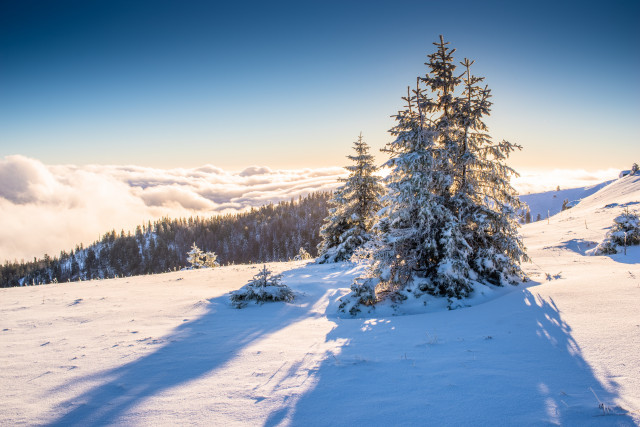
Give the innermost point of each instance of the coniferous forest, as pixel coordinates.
(274, 232)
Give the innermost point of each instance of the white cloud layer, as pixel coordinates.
(537, 180)
(46, 209)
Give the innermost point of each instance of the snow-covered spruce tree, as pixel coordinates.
(353, 208)
(210, 260)
(625, 232)
(199, 259)
(195, 256)
(450, 217)
(302, 255)
(335, 224)
(483, 197)
(262, 288)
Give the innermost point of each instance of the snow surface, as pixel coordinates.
(169, 349)
(550, 202)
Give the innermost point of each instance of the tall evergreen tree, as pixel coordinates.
(450, 216)
(483, 198)
(352, 209)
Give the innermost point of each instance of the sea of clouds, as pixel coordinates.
(49, 208)
(46, 209)
(539, 180)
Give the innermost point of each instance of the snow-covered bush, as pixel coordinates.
(210, 260)
(194, 256)
(302, 255)
(199, 259)
(262, 288)
(625, 232)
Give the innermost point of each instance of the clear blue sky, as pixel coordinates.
(291, 84)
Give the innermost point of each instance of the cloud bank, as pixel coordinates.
(538, 180)
(46, 209)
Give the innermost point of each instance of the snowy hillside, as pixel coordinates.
(550, 202)
(169, 349)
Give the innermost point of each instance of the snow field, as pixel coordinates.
(169, 349)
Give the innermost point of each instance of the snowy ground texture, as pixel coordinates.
(169, 349)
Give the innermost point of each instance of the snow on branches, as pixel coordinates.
(352, 209)
(449, 220)
(262, 288)
(199, 259)
(625, 232)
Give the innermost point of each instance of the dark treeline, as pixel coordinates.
(270, 233)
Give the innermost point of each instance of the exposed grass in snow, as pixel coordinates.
(171, 349)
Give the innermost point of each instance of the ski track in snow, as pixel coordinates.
(169, 349)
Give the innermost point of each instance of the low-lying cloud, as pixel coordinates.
(537, 180)
(46, 209)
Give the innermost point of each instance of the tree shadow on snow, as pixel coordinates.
(194, 349)
(579, 246)
(631, 257)
(511, 361)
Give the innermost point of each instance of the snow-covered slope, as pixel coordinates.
(550, 202)
(169, 349)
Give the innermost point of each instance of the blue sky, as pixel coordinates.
(291, 84)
